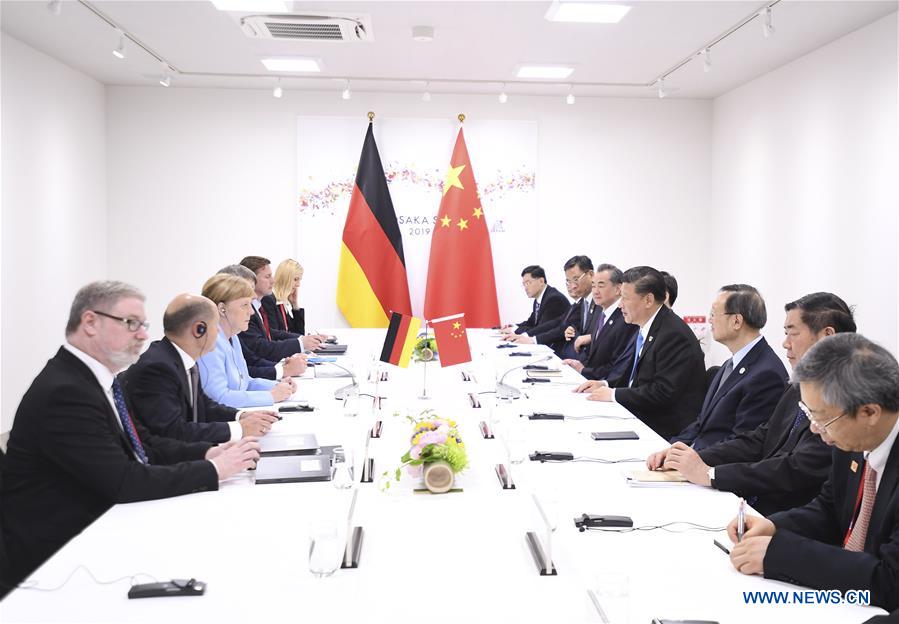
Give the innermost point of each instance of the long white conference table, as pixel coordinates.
(455, 557)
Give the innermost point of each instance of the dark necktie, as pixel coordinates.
(536, 310)
(600, 323)
(800, 416)
(585, 320)
(194, 389)
(728, 369)
(118, 398)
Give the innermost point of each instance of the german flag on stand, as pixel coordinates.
(400, 339)
(371, 279)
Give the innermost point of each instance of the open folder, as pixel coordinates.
(655, 478)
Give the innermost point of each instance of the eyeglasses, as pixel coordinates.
(574, 280)
(132, 324)
(713, 315)
(815, 427)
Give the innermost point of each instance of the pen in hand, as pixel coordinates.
(741, 520)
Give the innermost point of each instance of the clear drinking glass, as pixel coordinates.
(612, 592)
(325, 549)
(342, 473)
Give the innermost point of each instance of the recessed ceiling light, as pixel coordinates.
(586, 12)
(254, 6)
(423, 33)
(292, 64)
(548, 72)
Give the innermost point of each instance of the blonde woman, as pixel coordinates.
(224, 370)
(281, 306)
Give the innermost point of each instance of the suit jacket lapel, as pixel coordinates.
(738, 373)
(651, 334)
(175, 360)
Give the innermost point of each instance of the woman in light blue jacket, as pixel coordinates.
(224, 370)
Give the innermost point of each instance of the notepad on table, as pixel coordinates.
(655, 478)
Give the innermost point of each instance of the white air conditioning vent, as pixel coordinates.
(308, 27)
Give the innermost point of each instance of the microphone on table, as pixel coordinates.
(349, 390)
(505, 391)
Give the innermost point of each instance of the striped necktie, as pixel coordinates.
(858, 530)
(118, 398)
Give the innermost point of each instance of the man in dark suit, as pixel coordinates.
(559, 334)
(74, 449)
(607, 345)
(780, 464)
(266, 358)
(848, 536)
(748, 386)
(549, 304)
(664, 386)
(164, 385)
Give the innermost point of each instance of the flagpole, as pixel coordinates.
(424, 369)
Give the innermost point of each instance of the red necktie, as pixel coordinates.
(858, 530)
(284, 316)
(268, 330)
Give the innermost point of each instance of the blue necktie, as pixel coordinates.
(119, 400)
(636, 358)
(800, 415)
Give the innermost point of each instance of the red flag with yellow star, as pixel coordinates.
(460, 272)
(452, 340)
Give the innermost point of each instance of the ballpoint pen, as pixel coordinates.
(741, 520)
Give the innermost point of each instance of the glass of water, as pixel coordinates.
(325, 549)
(342, 473)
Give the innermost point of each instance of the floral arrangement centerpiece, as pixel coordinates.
(425, 349)
(436, 453)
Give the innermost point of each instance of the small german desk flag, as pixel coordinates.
(371, 279)
(400, 340)
(452, 340)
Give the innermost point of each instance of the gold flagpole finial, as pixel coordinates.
(371, 116)
(461, 117)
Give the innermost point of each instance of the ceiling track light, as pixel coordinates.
(503, 98)
(767, 25)
(347, 94)
(569, 99)
(119, 52)
(278, 91)
(706, 60)
(166, 79)
(426, 96)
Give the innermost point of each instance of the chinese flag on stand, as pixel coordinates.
(452, 340)
(460, 270)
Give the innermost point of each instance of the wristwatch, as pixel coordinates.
(711, 474)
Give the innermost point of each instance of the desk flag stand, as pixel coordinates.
(426, 356)
(353, 549)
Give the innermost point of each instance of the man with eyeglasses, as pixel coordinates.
(744, 391)
(848, 536)
(780, 464)
(75, 449)
(549, 303)
(559, 334)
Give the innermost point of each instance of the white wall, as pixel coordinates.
(805, 196)
(200, 178)
(53, 206)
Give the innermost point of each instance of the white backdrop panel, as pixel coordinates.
(415, 154)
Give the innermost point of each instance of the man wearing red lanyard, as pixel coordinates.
(848, 537)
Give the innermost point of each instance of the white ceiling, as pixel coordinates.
(474, 41)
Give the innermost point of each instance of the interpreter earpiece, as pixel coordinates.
(200, 329)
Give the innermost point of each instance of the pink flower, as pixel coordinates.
(414, 471)
(415, 452)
